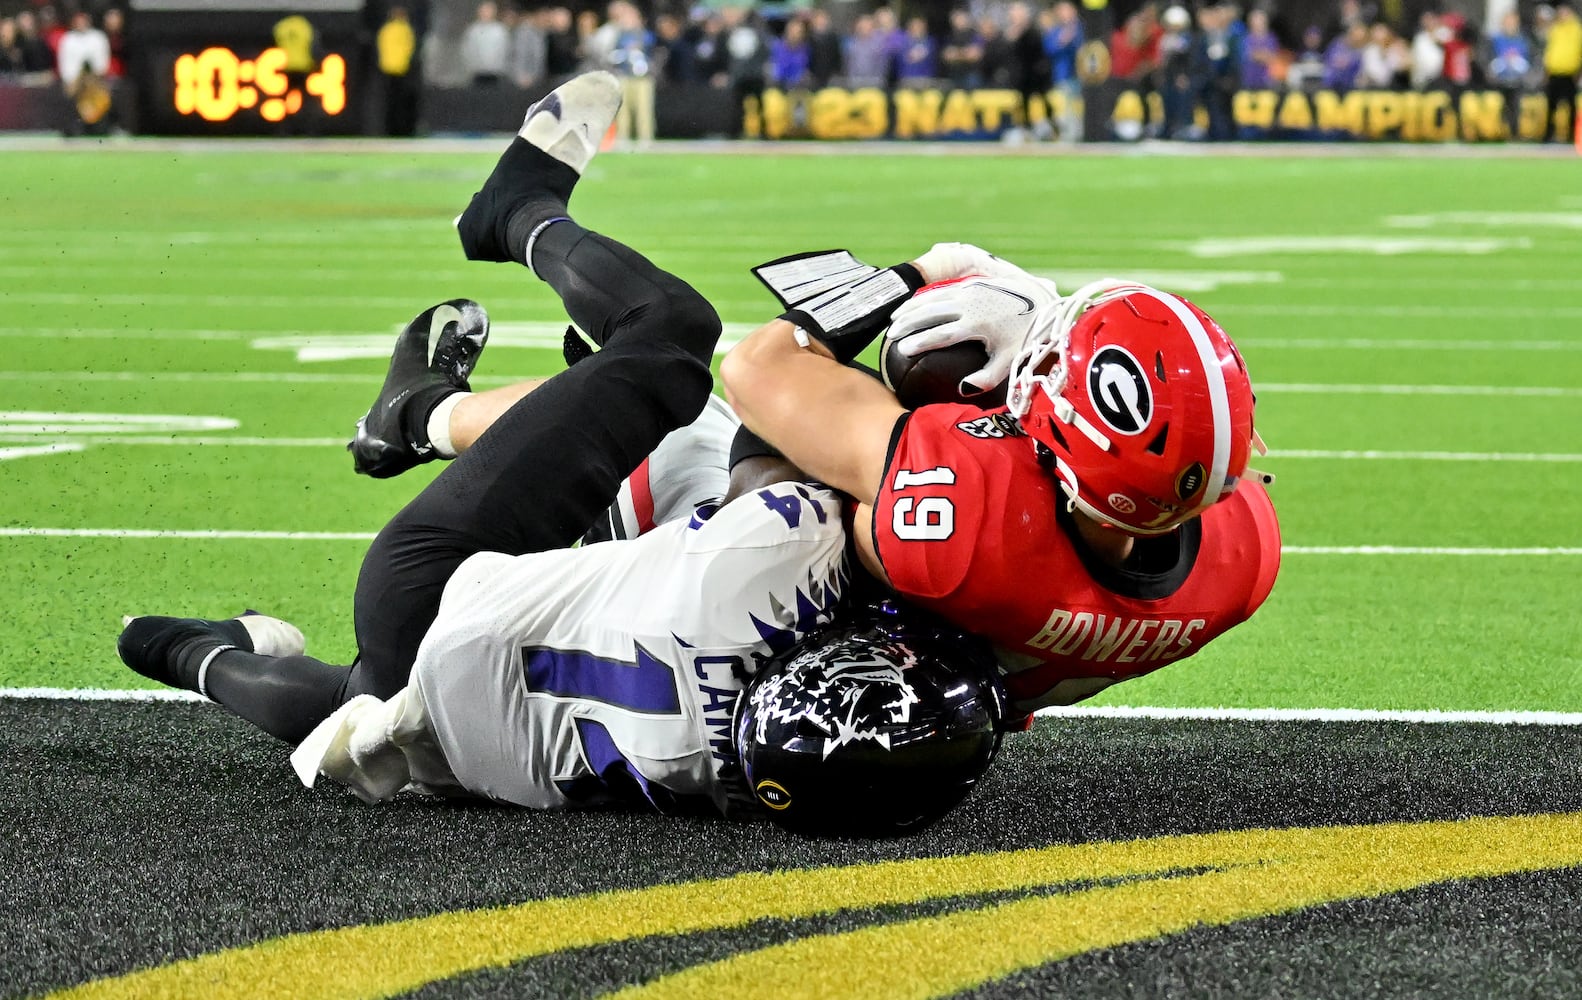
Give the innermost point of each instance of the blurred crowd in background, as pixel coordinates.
(1193, 56)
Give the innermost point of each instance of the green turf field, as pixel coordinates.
(1411, 324)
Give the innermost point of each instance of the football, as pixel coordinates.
(935, 376)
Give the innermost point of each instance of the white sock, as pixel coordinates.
(439, 424)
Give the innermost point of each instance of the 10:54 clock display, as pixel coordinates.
(216, 84)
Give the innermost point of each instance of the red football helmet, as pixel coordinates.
(1143, 400)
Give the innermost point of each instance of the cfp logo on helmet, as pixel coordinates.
(774, 795)
(1119, 391)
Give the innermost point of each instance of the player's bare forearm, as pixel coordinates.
(832, 421)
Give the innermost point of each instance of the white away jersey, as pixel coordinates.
(580, 675)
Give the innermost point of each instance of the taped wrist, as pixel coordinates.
(849, 317)
(747, 445)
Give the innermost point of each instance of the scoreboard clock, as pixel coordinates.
(247, 67)
(217, 84)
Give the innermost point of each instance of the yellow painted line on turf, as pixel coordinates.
(1249, 874)
(1255, 875)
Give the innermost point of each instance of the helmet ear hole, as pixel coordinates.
(1159, 365)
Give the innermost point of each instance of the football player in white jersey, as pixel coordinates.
(496, 659)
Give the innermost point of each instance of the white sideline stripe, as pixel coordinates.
(361, 536)
(98, 694)
(1427, 456)
(1512, 718)
(1508, 718)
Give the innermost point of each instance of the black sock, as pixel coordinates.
(285, 696)
(527, 187)
(415, 414)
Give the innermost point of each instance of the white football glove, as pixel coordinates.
(995, 311)
(945, 261)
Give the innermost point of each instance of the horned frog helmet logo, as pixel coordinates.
(849, 701)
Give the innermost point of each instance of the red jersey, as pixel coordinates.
(969, 525)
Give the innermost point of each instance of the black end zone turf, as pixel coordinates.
(133, 834)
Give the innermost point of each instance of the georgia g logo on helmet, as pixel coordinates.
(1119, 391)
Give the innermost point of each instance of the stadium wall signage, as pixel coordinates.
(1112, 111)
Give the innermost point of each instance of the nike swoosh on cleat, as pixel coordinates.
(443, 316)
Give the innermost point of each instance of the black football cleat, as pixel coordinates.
(171, 650)
(434, 356)
(558, 139)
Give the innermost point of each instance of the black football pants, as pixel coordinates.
(536, 480)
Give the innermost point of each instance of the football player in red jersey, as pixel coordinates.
(1098, 526)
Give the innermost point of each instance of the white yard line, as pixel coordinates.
(188, 442)
(1420, 716)
(130, 333)
(297, 302)
(1426, 456)
(1384, 246)
(180, 441)
(1520, 220)
(196, 534)
(209, 534)
(219, 377)
(1314, 715)
(1369, 389)
(36, 451)
(284, 338)
(1306, 388)
(1402, 312)
(1404, 344)
(1424, 550)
